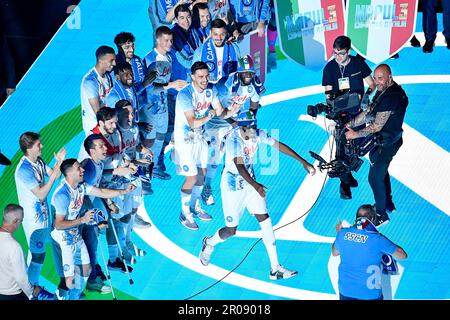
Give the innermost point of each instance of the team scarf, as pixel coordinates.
(122, 93)
(209, 56)
(138, 71)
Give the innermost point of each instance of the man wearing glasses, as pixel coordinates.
(346, 73)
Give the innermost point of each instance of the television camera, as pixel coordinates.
(342, 109)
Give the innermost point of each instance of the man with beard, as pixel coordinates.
(387, 112)
(68, 200)
(220, 56)
(117, 166)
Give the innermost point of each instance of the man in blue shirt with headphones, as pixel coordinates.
(361, 248)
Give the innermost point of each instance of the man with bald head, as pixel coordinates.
(387, 111)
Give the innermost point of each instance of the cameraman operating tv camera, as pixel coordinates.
(387, 110)
(346, 73)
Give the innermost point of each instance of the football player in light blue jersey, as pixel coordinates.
(93, 171)
(67, 201)
(123, 88)
(220, 56)
(32, 190)
(196, 105)
(243, 88)
(157, 112)
(140, 156)
(141, 77)
(240, 190)
(95, 86)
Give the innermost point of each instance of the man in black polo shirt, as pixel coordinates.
(388, 111)
(345, 73)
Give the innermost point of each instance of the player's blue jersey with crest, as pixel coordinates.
(28, 176)
(68, 202)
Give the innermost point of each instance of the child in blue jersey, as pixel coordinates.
(68, 200)
(361, 248)
(220, 56)
(196, 105)
(241, 191)
(32, 190)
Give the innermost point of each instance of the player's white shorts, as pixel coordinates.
(160, 123)
(235, 201)
(188, 156)
(214, 137)
(71, 255)
(36, 238)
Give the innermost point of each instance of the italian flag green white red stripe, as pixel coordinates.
(380, 28)
(307, 29)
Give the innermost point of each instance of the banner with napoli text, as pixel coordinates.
(380, 28)
(307, 29)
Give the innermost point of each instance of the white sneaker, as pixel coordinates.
(139, 222)
(188, 221)
(205, 253)
(281, 273)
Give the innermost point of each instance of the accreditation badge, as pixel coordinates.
(344, 83)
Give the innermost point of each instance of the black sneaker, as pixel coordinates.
(390, 207)
(345, 191)
(428, 46)
(118, 265)
(353, 183)
(415, 42)
(381, 220)
(99, 272)
(447, 40)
